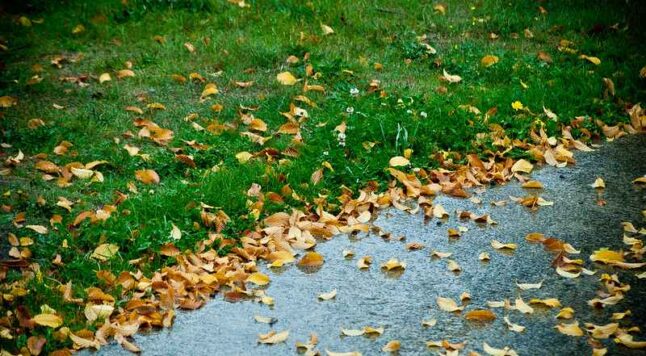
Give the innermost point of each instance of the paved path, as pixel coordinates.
(400, 302)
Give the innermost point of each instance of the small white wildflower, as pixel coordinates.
(354, 91)
(325, 153)
(341, 139)
(349, 109)
(423, 114)
(409, 111)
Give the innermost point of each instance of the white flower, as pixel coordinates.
(409, 111)
(423, 114)
(354, 91)
(349, 109)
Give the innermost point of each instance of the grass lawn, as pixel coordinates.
(193, 95)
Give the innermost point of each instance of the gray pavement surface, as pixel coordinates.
(399, 302)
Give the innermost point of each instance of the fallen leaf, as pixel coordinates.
(259, 279)
(451, 78)
(328, 295)
(147, 176)
(627, 340)
(448, 304)
(571, 329)
(565, 313)
(105, 77)
(273, 337)
(523, 307)
(513, 327)
(327, 30)
(37, 228)
(480, 315)
(265, 319)
(528, 286)
(593, 60)
(49, 320)
(506, 351)
(175, 232)
(399, 161)
(311, 259)
(391, 346)
(549, 302)
(105, 252)
(522, 166)
(286, 78)
(364, 262)
(489, 60)
(393, 264)
(500, 246)
(598, 183)
(243, 157)
(601, 331)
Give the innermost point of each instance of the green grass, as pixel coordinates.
(230, 40)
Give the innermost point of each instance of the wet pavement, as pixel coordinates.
(399, 302)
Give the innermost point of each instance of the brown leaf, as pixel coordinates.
(147, 176)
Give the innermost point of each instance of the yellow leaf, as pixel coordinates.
(499, 245)
(49, 320)
(105, 77)
(124, 73)
(391, 346)
(273, 337)
(565, 313)
(147, 176)
(105, 252)
(593, 60)
(532, 184)
(82, 173)
(7, 101)
(549, 302)
(393, 264)
(522, 166)
(364, 262)
(286, 78)
(259, 279)
(448, 304)
(598, 183)
(243, 156)
(489, 60)
(37, 228)
(209, 89)
(627, 340)
(399, 161)
(480, 315)
(311, 259)
(572, 329)
(523, 307)
(327, 30)
(605, 255)
(78, 29)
